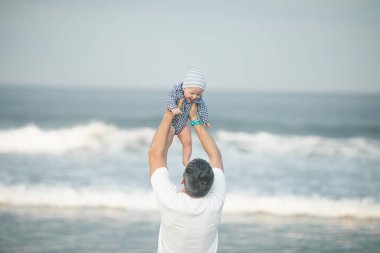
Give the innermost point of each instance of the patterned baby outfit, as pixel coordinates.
(179, 121)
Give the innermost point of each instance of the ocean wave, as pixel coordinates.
(263, 143)
(67, 197)
(99, 136)
(93, 137)
(303, 206)
(236, 202)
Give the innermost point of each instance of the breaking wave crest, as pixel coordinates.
(236, 203)
(267, 143)
(98, 136)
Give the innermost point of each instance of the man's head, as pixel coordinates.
(198, 178)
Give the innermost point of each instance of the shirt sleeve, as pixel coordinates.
(173, 97)
(164, 189)
(202, 111)
(219, 186)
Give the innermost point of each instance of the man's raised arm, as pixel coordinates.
(208, 143)
(159, 147)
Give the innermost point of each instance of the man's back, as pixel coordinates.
(188, 224)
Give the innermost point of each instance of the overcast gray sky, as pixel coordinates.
(270, 45)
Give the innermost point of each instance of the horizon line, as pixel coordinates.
(219, 89)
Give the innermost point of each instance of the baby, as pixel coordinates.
(191, 90)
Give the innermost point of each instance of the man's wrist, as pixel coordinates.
(168, 115)
(196, 122)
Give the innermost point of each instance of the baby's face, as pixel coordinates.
(192, 93)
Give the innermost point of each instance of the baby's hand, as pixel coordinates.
(208, 125)
(176, 111)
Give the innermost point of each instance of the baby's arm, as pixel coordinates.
(203, 113)
(171, 100)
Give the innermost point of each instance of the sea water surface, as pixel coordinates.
(302, 170)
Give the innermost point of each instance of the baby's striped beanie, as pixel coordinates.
(194, 78)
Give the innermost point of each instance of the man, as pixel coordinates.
(189, 218)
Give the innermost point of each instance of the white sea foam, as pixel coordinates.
(93, 137)
(67, 197)
(236, 203)
(98, 136)
(263, 143)
(300, 205)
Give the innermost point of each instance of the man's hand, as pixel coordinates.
(180, 103)
(193, 115)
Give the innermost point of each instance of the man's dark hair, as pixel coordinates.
(199, 178)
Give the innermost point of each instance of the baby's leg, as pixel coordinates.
(185, 138)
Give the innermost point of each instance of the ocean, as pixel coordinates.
(302, 170)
